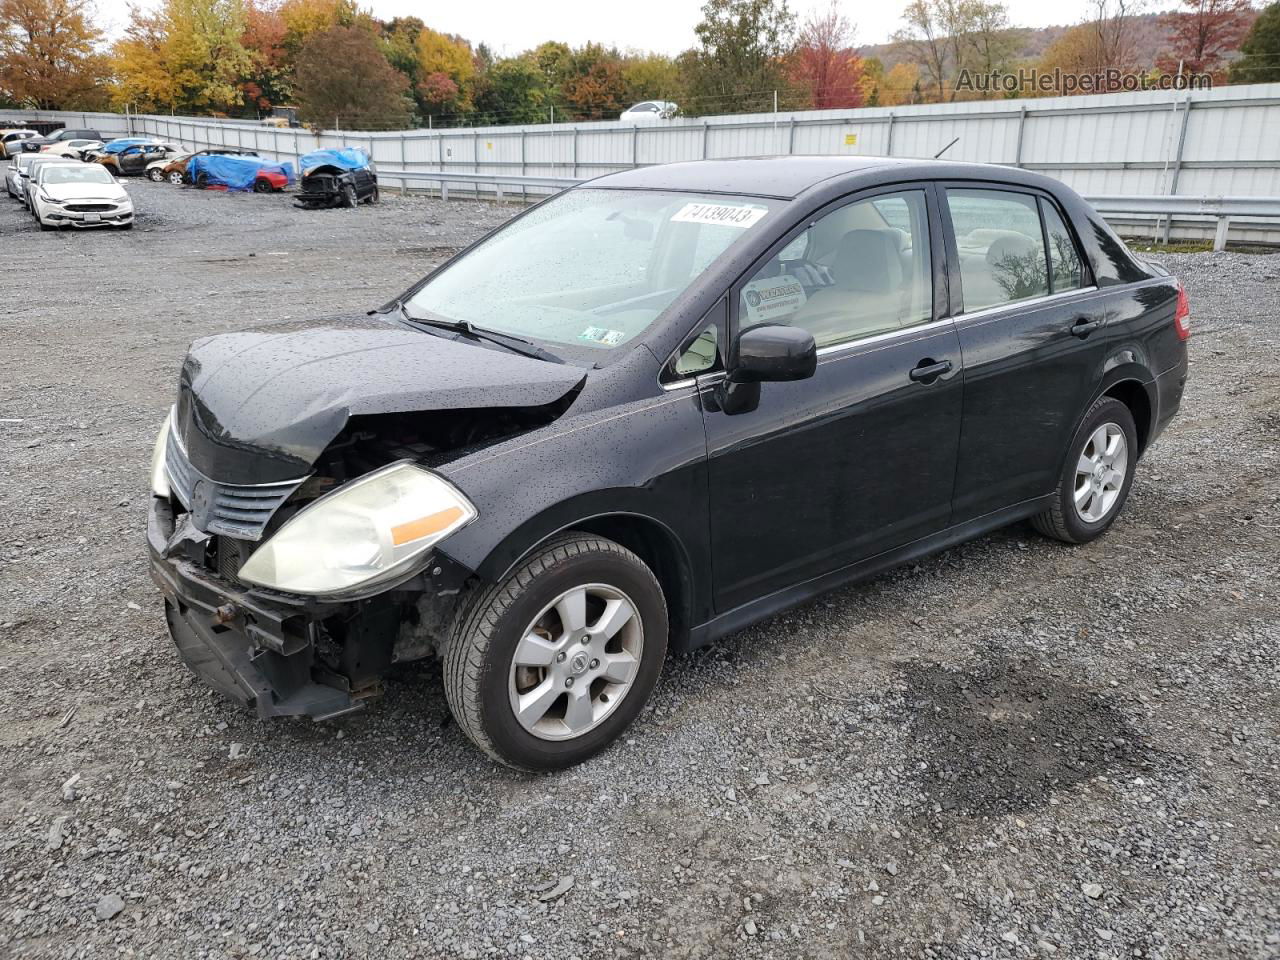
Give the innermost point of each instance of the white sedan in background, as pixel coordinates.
(650, 111)
(79, 195)
(71, 148)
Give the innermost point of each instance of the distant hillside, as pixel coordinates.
(1031, 42)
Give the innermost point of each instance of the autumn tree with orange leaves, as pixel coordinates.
(48, 55)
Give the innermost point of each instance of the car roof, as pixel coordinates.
(787, 177)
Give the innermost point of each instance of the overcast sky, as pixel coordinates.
(510, 26)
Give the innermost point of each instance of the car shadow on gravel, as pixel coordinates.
(1005, 737)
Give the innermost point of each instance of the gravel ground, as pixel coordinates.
(1011, 749)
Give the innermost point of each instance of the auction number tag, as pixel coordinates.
(720, 214)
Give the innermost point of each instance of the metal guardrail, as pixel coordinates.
(1164, 208)
(497, 180)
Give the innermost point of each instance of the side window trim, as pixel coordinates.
(936, 255)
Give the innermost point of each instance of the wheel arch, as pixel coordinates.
(649, 538)
(1137, 397)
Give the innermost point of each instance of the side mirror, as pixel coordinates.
(772, 352)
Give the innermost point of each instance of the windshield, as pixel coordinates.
(67, 173)
(590, 268)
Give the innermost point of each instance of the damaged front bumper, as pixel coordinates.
(283, 656)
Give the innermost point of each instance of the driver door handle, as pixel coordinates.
(1084, 326)
(927, 371)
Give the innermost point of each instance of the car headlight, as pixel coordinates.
(369, 532)
(47, 199)
(159, 478)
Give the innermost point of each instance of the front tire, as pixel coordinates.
(1096, 477)
(262, 186)
(155, 176)
(548, 667)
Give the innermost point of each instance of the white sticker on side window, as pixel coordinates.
(772, 299)
(720, 214)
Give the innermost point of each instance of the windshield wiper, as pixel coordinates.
(465, 327)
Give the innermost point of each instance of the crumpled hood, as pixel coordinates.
(261, 406)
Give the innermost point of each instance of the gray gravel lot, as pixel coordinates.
(1012, 749)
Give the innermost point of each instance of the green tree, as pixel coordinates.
(743, 47)
(399, 38)
(651, 76)
(512, 91)
(1260, 62)
(344, 80)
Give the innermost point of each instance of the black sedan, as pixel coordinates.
(646, 413)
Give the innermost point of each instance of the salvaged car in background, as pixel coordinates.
(230, 172)
(132, 160)
(175, 170)
(336, 178)
(642, 415)
(11, 141)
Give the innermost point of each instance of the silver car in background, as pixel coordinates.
(28, 173)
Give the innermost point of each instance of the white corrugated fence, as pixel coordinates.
(1191, 143)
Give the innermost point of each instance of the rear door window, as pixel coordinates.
(1000, 245)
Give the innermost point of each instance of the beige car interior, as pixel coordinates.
(861, 275)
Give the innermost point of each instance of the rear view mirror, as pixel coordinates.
(772, 352)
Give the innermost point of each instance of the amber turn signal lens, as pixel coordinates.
(425, 526)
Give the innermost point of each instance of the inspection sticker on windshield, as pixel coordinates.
(720, 214)
(609, 338)
(772, 298)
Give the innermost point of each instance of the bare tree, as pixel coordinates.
(1112, 25)
(943, 37)
(924, 38)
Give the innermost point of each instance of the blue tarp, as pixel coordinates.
(348, 158)
(116, 146)
(234, 172)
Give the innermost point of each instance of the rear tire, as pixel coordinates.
(1096, 477)
(262, 186)
(373, 197)
(540, 690)
(177, 178)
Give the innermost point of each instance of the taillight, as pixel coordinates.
(1182, 314)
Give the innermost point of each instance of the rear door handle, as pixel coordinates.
(1084, 326)
(927, 371)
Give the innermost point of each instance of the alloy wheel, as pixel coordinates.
(575, 662)
(1100, 472)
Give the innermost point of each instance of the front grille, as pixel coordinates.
(89, 207)
(225, 509)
